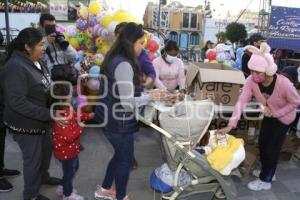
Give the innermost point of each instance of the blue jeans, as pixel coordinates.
(70, 167)
(119, 166)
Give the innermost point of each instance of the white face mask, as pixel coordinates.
(171, 59)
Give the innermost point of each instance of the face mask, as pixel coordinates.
(258, 78)
(171, 59)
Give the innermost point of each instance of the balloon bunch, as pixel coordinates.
(92, 36)
(94, 29)
(152, 45)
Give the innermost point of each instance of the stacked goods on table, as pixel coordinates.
(166, 97)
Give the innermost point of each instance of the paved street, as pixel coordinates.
(96, 155)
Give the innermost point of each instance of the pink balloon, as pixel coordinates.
(152, 55)
(60, 28)
(152, 45)
(93, 84)
(82, 100)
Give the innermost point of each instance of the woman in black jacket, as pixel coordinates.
(26, 84)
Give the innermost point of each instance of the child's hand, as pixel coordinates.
(92, 115)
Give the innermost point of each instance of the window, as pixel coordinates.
(194, 39)
(186, 20)
(193, 20)
(164, 20)
(155, 18)
(189, 20)
(184, 40)
(173, 36)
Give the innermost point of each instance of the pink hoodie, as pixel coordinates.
(169, 76)
(282, 103)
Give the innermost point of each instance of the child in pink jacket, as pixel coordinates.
(278, 99)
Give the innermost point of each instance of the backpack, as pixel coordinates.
(63, 72)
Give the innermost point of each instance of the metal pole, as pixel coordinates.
(158, 28)
(7, 23)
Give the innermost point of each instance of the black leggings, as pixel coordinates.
(271, 138)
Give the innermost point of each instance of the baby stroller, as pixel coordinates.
(182, 129)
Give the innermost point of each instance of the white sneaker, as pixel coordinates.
(259, 185)
(256, 173)
(73, 196)
(60, 192)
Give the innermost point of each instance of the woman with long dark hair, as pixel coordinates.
(120, 89)
(27, 115)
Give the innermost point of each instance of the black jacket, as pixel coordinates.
(26, 95)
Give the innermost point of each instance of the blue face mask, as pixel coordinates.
(171, 59)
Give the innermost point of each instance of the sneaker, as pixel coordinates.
(73, 196)
(5, 186)
(102, 193)
(60, 191)
(259, 185)
(125, 198)
(256, 173)
(10, 173)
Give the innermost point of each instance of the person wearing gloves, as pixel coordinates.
(278, 99)
(169, 69)
(58, 50)
(121, 89)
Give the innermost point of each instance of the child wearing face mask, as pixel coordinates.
(278, 99)
(169, 69)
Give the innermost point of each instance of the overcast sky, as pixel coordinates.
(221, 7)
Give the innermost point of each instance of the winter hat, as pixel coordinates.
(261, 59)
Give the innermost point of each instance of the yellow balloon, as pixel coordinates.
(104, 48)
(106, 20)
(94, 7)
(121, 16)
(74, 43)
(83, 12)
(100, 42)
(67, 37)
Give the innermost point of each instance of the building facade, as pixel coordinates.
(179, 23)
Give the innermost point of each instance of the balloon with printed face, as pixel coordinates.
(152, 55)
(82, 100)
(81, 24)
(93, 84)
(92, 20)
(211, 55)
(98, 58)
(71, 30)
(60, 28)
(74, 43)
(152, 46)
(80, 37)
(94, 71)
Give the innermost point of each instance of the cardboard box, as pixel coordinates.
(216, 81)
(243, 125)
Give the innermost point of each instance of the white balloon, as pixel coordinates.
(112, 26)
